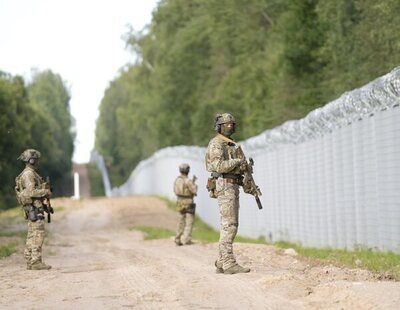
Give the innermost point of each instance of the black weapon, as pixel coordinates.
(249, 186)
(47, 204)
(248, 178)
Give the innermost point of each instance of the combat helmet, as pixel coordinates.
(184, 168)
(222, 119)
(29, 154)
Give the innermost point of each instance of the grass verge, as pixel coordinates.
(201, 231)
(387, 264)
(151, 233)
(8, 249)
(12, 231)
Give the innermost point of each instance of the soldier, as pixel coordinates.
(226, 164)
(31, 192)
(185, 189)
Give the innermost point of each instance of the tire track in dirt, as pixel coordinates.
(98, 263)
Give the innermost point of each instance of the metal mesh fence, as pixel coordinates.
(331, 179)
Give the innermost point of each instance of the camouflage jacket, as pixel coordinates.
(30, 187)
(185, 188)
(222, 156)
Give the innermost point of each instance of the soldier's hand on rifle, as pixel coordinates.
(243, 166)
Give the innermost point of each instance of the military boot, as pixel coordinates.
(219, 268)
(40, 266)
(178, 242)
(28, 266)
(236, 269)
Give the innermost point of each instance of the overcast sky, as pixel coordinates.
(79, 39)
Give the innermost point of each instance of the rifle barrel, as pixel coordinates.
(259, 203)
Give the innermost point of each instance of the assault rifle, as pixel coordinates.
(47, 204)
(249, 185)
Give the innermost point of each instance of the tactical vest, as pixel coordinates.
(180, 188)
(24, 197)
(229, 151)
(21, 198)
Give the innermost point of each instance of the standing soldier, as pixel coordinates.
(226, 164)
(32, 193)
(185, 189)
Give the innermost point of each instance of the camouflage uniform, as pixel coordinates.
(185, 189)
(223, 158)
(31, 191)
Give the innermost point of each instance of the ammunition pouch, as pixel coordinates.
(33, 214)
(211, 186)
(181, 204)
(191, 208)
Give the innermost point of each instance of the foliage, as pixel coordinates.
(53, 129)
(96, 181)
(265, 61)
(35, 116)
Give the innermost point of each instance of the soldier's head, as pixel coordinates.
(184, 168)
(30, 156)
(225, 124)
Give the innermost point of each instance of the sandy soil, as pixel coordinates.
(99, 263)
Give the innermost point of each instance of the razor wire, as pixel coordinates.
(330, 179)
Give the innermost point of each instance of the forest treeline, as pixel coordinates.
(265, 61)
(35, 115)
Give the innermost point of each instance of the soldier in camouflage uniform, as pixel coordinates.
(31, 191)
(185, 189)
(227, 166)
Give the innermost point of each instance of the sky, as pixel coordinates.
(81, 40)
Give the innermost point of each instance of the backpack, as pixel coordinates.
(19, 191)
(179, 186)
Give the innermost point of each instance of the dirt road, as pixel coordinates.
(98, 263)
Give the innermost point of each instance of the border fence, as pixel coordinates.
(331, 179)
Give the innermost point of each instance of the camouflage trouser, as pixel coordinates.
(34, 242)
(228, 202)
(185, 227)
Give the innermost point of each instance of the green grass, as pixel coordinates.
(19, 233)
(12, 231)
(204, 232)
(151, 233)
(12, 215)
(384, 263)
(387, 264)
(8, 249)
(201, 231)
(170, 204)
